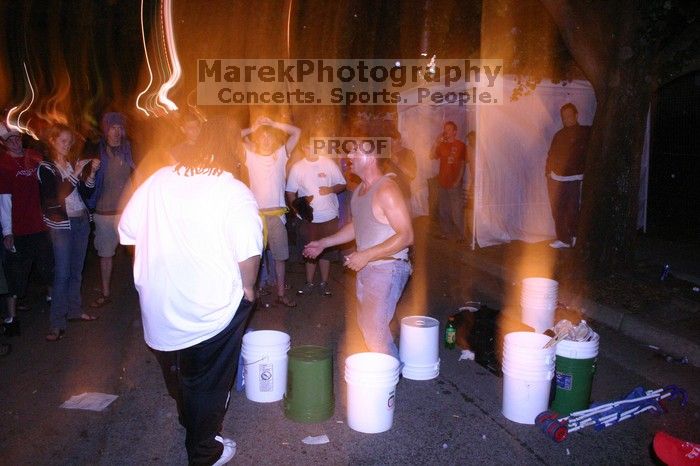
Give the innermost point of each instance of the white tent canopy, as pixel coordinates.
(511, 200)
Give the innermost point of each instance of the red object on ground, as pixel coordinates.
(676, 452)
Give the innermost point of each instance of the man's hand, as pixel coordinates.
(9, 242)
(313, 249)
(325, 190)
(356, 261)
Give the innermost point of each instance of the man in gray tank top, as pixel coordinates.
(381, 227)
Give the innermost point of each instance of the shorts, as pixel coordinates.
(315, 231)
(277, 240)
(106, 234)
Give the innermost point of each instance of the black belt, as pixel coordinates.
(391, 259)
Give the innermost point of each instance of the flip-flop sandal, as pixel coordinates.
(55, 335)
(84, 318)
(100, 301)
(285, 301)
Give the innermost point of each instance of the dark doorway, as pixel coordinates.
(674, 175)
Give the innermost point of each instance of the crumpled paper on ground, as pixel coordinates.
(318, 440)
(467, 354)
(91, 401)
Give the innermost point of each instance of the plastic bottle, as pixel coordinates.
(450, 333)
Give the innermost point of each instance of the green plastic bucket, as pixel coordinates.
(574, 378)
(309, 396)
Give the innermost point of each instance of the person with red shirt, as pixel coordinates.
(25, 236)
(452, 154)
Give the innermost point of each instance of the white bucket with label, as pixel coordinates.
(418, 347)
(525, 395)
(264, 355)
(371, 379)
(528, 369)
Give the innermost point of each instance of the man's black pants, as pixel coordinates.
(200, 378)
(565, 201)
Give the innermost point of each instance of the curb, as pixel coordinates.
(629, 325)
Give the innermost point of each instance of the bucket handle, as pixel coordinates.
(264, 358)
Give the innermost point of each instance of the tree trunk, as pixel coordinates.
(611, 184)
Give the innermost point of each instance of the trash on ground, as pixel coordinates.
(668, 357)
(90, 401)
(467, 354)
(317, 440)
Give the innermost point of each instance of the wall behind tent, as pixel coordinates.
(511, 200)
(420, 126)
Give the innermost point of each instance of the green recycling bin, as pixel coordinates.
(575, 367)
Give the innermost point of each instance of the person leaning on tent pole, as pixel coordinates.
(564, 171)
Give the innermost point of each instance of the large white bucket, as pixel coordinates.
(418, 347)
(524, 399)
(264, 355)
(539, 302)
(371, 380)
(528, 369)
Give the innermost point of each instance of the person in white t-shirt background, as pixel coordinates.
(198, 239)
(267, 147)
(319, 180)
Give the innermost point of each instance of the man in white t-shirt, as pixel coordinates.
(267, 147)
(198, 240)
(319, 180)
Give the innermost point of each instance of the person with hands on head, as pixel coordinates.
(266, 155)
(381, 227)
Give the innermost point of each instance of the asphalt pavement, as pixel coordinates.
(453, 419)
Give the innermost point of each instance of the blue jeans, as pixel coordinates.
(69, 249)
(379, 287)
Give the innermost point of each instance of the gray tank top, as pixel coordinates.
(368, 230)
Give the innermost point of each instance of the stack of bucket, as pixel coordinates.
(539, 302)
(371, 380)
(264, 355)
(575, 366)
(528, 369)
(418, 347)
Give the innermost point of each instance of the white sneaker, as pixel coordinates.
(229, 450)
(559, 244)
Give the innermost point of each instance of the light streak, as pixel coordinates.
(148, 65)
(18, 124)
(176, 71)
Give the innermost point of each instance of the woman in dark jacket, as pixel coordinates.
(65, 185)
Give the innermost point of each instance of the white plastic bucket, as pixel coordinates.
(579, 349)
(371, 379)
(523, 398)
(529, 341)
(418, 347)
(264, 355)
(528, 369)
(540, 283)
(539, 319)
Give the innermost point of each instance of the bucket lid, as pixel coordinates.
(310, 353)
(419, 321)
(266, 338)
(371, 362)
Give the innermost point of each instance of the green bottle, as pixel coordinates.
(450, 333)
